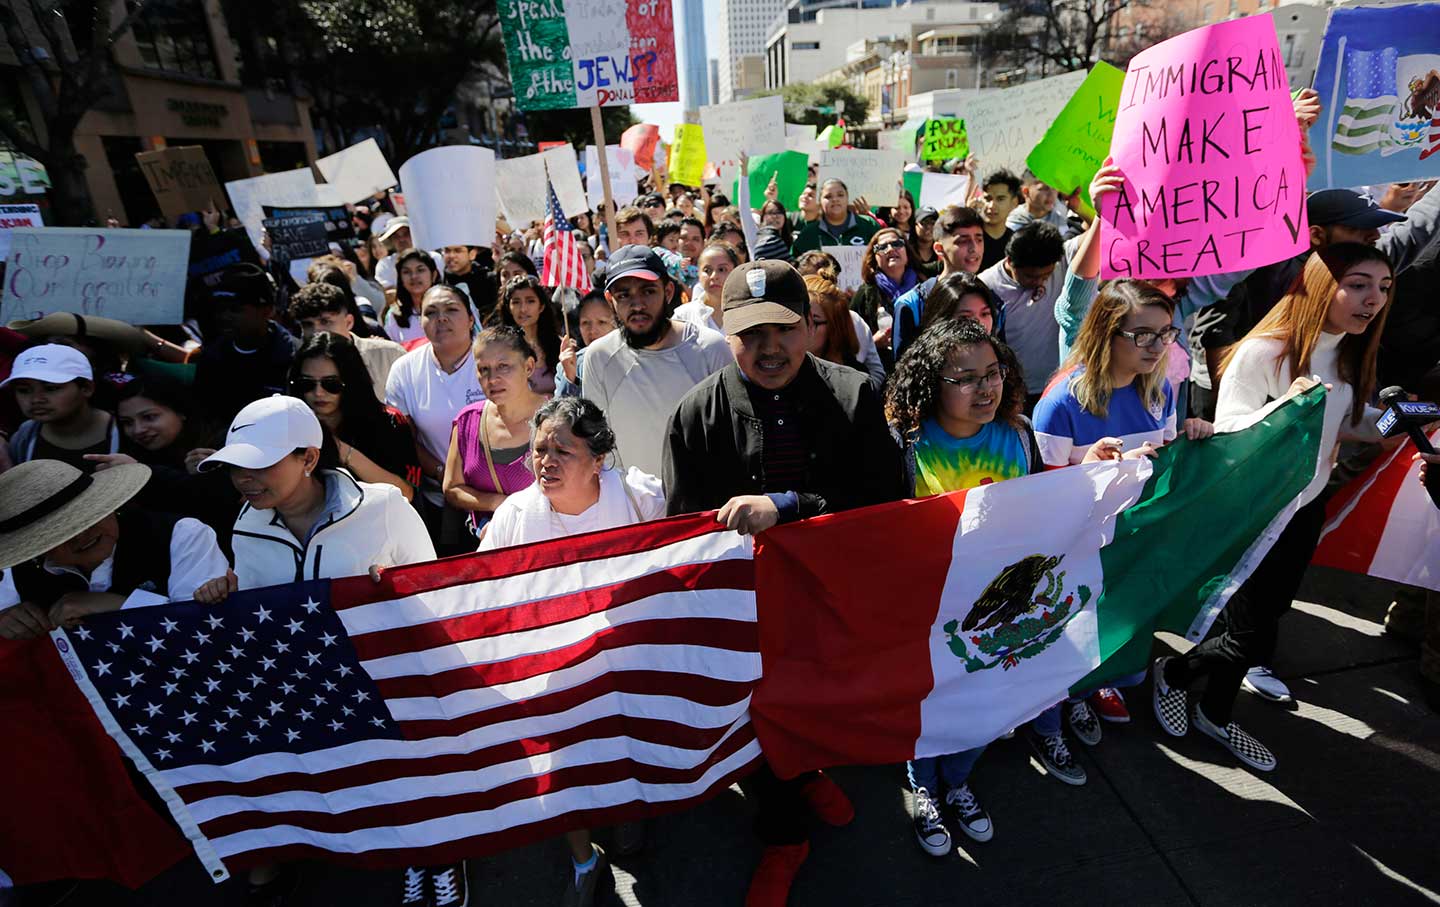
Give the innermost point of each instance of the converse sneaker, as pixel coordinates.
(930, 831)
(415, 887)
(1056, 758)
(1110, 705)
(966, 812)
(448, 886)
(1082, 722)
(1261, 681)
(1172, 707)
(1246, 748)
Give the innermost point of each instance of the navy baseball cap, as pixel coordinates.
(1348, 208)
(634, 261)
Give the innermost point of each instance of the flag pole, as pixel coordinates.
(599, 127)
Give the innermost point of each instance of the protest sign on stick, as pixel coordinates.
(1207, 141)
(1379, 83)
(867, 173)
(450, 193)
(181, 179)
(294, 236)
(129, 275)
(13, 216)
(357, 172)
(755, 126)
(945, 138)
(1003, 126)
(1078, 139)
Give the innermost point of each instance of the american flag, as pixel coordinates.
(453, 709)
(564, 266)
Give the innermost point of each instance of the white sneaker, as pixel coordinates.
(1172, 706)
(1261, 681)
(930, 830)
(1246, 748)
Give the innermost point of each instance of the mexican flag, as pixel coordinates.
(928, 627)
(1383, 523)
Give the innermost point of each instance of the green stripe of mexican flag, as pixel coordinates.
(932, 626)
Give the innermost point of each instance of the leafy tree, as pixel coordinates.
(803, 103)
(66, 80)
(573, 126)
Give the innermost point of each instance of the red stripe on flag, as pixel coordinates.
(730, 574)
(1352, 543)
(718, 633)
(844, 641)
(422, 808)
(398, 582)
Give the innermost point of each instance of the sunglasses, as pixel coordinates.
(891, 244)
(331, 383)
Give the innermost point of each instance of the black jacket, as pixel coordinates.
(714, 450)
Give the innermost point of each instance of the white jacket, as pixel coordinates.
(370, 524)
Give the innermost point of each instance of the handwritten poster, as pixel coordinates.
(12, 216)
(339, 228)
(450, 193)
(1078, 139)
(286, 189)
(1207, 141)
(945, 138)
(851, 258)
(297, 236)
(181, 179)
(687, 155)
(357, 172)
(624, 178)
(1005, 125)
(136, 276)
(867, 173)
(1379, 84)
(584, 53)
(755, 126)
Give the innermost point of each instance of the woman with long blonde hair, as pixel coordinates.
(1112, 390)
(1325, 330)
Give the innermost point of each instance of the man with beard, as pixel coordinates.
(638, 373)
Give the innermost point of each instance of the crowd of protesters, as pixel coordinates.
(387, 404)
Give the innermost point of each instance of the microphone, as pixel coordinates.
(1403, 415)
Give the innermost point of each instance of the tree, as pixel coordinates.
(1066, 35)
(819, 105)
(65, 80)
(573, 126)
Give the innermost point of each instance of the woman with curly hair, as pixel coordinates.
(956, 404)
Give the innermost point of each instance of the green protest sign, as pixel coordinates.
(790, 168)
(1078, 140)
(945, 138)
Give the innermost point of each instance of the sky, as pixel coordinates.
(667, 115)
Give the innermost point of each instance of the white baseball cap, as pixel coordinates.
(53, 363)
(264, 432)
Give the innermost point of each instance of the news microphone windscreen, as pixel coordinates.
(1391, 394)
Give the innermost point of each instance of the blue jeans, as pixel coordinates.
(951, 770)
(1047, 723)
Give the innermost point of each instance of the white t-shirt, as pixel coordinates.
(698, 311)
(385, 273)
(432, 398)
(638, 389)
(526, 516)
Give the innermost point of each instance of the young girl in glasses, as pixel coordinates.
(329, 375)
(1111, 390)
(956, 405)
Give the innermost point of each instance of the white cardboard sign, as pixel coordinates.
(869, 173)
(939, 190)
(563, 169)
(450, 194)
(286, 189)
(520, 183)
(1005, 126)
(357, 172)
(755, 126)
(850, 258)
(136, 276)
(12, 216)
(624, 178)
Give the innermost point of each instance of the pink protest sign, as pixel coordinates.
(1207, 141)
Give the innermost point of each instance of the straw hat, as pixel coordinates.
(44, 503)
(121, 334)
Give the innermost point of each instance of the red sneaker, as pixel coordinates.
(827, 801)
(770, 885)
(1110, 705)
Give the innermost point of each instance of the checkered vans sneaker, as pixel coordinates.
(1172, 707)
(1246, 748)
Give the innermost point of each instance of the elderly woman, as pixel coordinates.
(574, 492)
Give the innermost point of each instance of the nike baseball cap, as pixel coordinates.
(264, 432)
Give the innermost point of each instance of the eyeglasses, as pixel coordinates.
(1146, 339)
(331, 383)
(969, 385)
(887, 246)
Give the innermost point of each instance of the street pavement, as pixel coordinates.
(1350, 816)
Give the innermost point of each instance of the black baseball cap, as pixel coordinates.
(634, 261)
(650, 199)
(243, 283)
(763, 292)
(1347, 208)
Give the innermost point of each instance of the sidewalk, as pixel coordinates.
(1350, 816)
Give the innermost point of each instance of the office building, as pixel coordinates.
(743, 27)
(695, 68)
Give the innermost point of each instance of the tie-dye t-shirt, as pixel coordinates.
(944, 462)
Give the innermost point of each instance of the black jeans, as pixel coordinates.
(1247, 629)
(782, 815)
